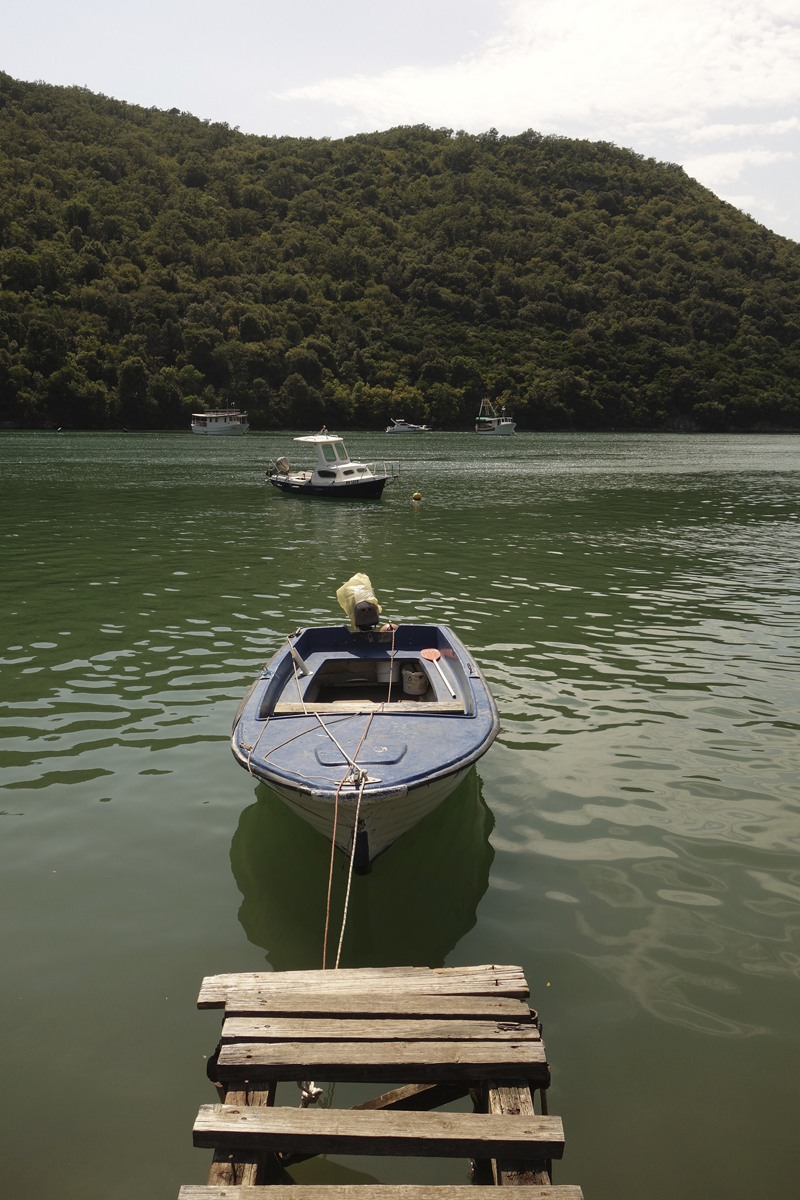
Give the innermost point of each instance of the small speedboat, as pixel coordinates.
(335, 473)
(225, 421)
(398, 425)
(384, 724)
(489, 421)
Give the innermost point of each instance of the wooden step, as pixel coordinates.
(251, 1000)
(305, 1029)
(384, 1062)
(382, 1191)
(360, 1131)
(463, 981)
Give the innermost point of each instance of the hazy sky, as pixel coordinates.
(711, 84)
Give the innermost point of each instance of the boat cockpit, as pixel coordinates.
(392, 670)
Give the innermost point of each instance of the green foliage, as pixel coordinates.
(152, 264)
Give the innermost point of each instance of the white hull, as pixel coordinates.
(501, 431)
(384, 820)
(222, 430)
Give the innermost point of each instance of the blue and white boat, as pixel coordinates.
(367, 716)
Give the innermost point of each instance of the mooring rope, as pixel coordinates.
(352, 860)
(391, 663)
(330, 873)
(255, 743)
(343, 753)
(359, 775)
(363, 774)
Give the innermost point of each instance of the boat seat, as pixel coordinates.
(286, 708)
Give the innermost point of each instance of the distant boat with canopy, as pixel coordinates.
(491, 422)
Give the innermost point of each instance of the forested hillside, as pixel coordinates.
(153, 264)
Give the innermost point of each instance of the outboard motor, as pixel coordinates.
(365, 615)
(360, 603)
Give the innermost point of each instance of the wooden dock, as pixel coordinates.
(435, 1035)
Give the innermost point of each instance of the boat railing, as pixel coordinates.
(281, 467)
(388, 467)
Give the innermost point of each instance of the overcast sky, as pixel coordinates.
(711, 84)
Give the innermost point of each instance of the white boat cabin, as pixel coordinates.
(333, 465)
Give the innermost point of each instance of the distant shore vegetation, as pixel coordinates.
(153, 265)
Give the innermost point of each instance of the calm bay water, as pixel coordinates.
(632, 839)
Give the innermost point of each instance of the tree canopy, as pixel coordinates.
(153, 264)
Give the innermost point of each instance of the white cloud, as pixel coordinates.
(715, 169)
(658, 78)
(709, 133)
(615, 67)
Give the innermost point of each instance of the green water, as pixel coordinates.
(632, 838)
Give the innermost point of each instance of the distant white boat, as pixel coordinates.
(220, 421)
(398, 425)
(489, 421)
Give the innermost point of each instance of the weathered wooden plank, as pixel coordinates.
(243, 1166)
(217, 989)
(473, 981)
(254, 1002)
(383, 1062)
(515, 1100)
(418, 1097)
(382, 1191)
(353, 1131)
(301, 1029)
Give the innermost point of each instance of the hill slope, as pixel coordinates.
(153, 263)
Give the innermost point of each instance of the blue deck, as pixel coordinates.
(406, 744)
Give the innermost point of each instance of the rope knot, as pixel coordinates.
(311, 1093)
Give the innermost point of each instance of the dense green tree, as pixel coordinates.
(152, 265)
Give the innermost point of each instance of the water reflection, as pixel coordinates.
(418, 902)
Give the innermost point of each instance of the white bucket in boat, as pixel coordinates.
(383, 669)
(414, 682)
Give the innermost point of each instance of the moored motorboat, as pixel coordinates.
(335, 474)
(489, 421)
(330, 727)
(398, 425)
(221, 421)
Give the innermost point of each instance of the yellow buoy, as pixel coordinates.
(417, 496)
